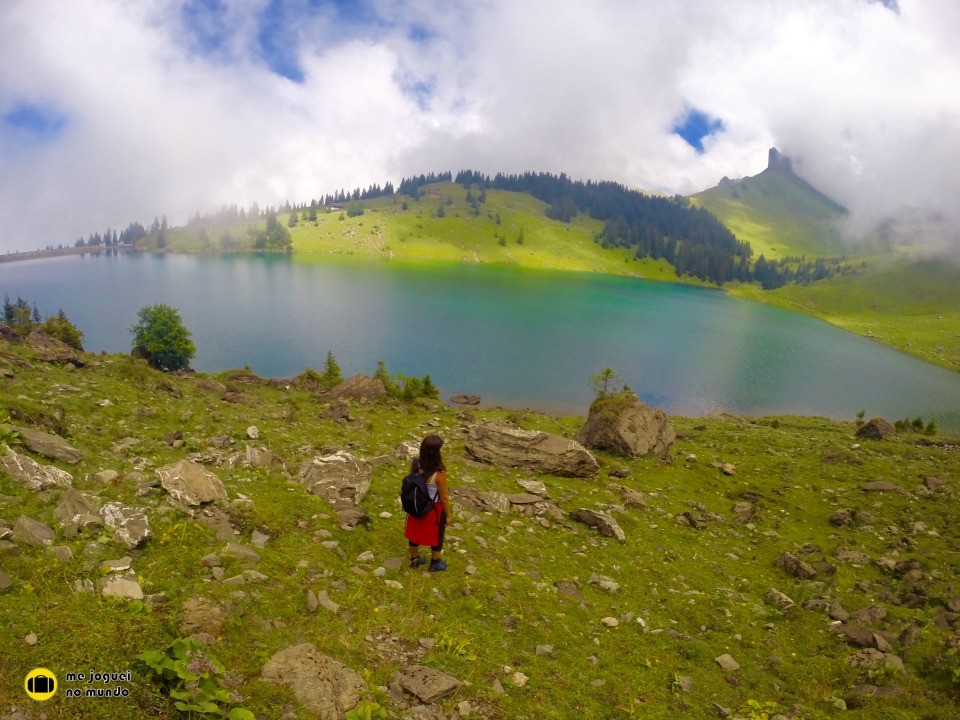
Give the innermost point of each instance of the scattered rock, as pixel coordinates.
(794, 566)
(359, 387)
(5, 582)
(241, 552)
(311, 601)
(535, 487)
(846, 555)
(610, 622)
(201, 615)
(35, 476)
(603, 523)
(32, 532)
(130, 525)
(49, 445)
(479, 500)
(77, 511)
(337, 476)
(633, 498)
(779, 599)
(882, 486)
(728, 469)
(743, 512)
(428, 684)
(726, 662)
(465, 399)
(877, 429)
(324, 686)
(623, 425)
(253, 432)
(258, 539)
(842, 517)
(191, 483)
(122, 585)
(323, 599)
(503, 443)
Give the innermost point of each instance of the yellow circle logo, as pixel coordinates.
(41, 684)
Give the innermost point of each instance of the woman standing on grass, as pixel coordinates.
(429, 529)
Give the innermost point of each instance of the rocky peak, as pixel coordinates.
(777, 161)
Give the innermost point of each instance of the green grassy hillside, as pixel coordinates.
(538, 615)
(909, 303)
(779, 214)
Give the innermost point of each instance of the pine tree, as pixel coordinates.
(331, 371)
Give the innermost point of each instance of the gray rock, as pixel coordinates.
(480, 500)
(881, 486)
(726, 662)
(602, 522)
(428, 684)
(503, 443)
(122, 585)
(535, 487)
(35, 476)
(201, 615)
(191, 483)
(323, 599)
(869, 615)
(779, 599)
(77, 510)
(842, 517)
(846, 555)
(32, 532)
(324, 686)
(623, 425)
(117, 565)
(359, 387)
(5, 582)
(106, 476)
(633, 498)
(241, 552)
(351, 515)
(253, 432)
(570, 589)
(311, 601)
(258, 539)
(340, 476)
(877, 429)
(130, 525)
(63, 553)
(49, 445)
(263, 458)
(211, 560)
(794, 566)
(743, 512)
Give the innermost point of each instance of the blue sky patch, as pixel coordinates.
(694, 126)
(39, 123)
(205, 20)
(278, 41)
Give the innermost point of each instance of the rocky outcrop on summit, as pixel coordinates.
(623, 425)
(778, 161)
(503, 443)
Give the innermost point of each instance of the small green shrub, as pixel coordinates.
(196, 680)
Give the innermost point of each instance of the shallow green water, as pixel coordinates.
(518, 338)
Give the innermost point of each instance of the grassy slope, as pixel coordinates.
(385, 229)
(913, 305)
(779, 214)
(704, 586)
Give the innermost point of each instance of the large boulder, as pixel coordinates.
(32, 532)
(504, 443)
(427, 683)
(324, 686)
(360, 387)
(340, 476)
(35, 476)
(49, 445)
(877, 429)
(191, 483)
(601, 521)
(623, 425)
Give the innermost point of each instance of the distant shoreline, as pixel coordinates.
(39, 254)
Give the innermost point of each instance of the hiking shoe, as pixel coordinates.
(437, 566)
(417, 562)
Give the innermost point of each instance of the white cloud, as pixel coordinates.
(864, 98)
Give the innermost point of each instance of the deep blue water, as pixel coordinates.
(518, 338)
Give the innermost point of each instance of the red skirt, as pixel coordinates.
(425, 530)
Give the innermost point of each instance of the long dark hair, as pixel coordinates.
(429, 461)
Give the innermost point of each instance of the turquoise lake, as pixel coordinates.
(518, 338)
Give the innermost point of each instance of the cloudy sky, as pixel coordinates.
(120, 110)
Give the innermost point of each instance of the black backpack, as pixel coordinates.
(414, 498)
